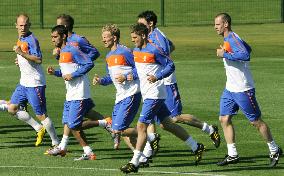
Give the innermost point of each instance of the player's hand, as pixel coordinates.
(96, 80)
(56, 51)
(18, 50)
(17, 62)
(220, 51)
(50, 70)
(129, 77)
(152, 78)
(67, 77)
(120, 78)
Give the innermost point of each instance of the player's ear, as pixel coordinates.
(64, 36)
(151, 23)
(226, 24)
(143, 36)
(115, 38)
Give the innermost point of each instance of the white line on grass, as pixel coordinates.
(102, 169)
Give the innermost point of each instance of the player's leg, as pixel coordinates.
(95, 119)
(77, 111)
(123, 115)
(149, 110)
(4, 105)
(19, 96)
(61, 149)
(249, 106)
(228, 108)
(180, 132)
(37, 100)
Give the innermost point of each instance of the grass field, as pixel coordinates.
(201, 81)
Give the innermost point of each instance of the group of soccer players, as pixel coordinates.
(145, 73)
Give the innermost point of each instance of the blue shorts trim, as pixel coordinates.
(74, 112)
(152, 108)
(173, 100)
(231, 102)
(124, 112)
(35, 96)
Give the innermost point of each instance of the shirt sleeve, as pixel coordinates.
(106, 80)
(130, 61)
(88, 48)
(162, 42)
(58, 73)
(240, 50)
(165, 61)
(84, 62)
(34, 48)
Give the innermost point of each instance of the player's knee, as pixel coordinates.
(12, 109)
(41, 117)
(257, 123)
(176, 119)
(162, 126)
(225, 120)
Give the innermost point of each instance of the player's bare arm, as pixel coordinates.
(32, 58)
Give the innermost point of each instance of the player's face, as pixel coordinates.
(23, 26)
(143, 21)
(107, 39)
(137, 40)
(219, 25)
(59, 21)
(56, 39)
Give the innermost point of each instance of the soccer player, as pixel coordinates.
(173, 100)
(32, 83)
(152, 66)
(74, 66)
(75, 39)
(122, 73)
(239, 92)
(84, 45)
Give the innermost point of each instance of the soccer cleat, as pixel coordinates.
(86, 157)
(23, 107)
(145, 163)
(116, 140)
(108, 125)
(274, 158)
(229, 160)
(40, 134)
(215, 136)
(155, 144)
(128, 168)
(198, 153)
(55, 151)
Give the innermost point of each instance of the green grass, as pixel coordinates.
(201, 81)
(123, 12)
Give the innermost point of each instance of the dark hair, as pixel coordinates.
(149, 16)
(61, 30)
(225, 17)
(68, 21)
(139, 29)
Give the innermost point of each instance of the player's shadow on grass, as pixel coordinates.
(6, 129)
(251, 163)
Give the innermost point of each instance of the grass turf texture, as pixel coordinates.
(201, 79)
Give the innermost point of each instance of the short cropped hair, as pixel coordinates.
(68, 21)
(149, 16)
(61, 30)
(113, 29)
(139, 29)
(225, 17)
(24, 15)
